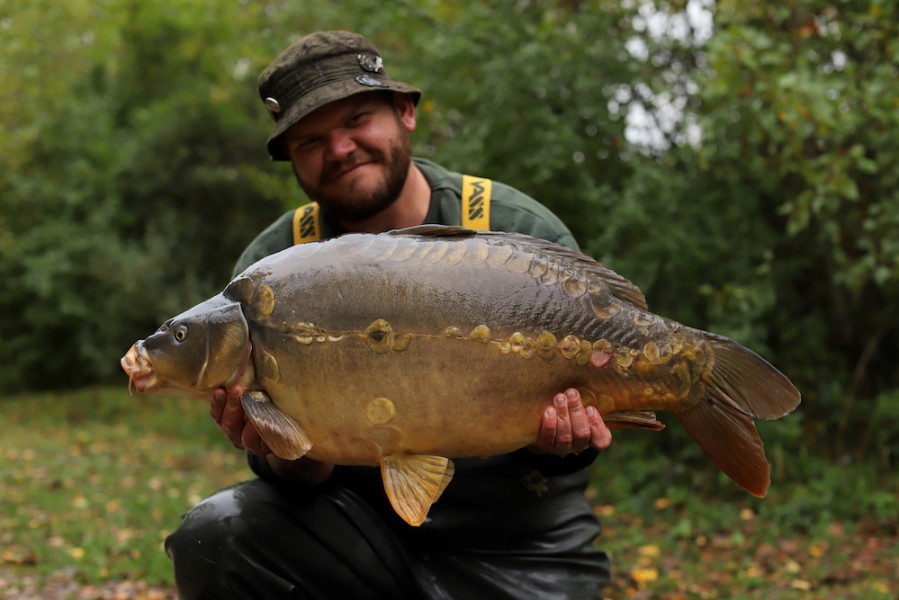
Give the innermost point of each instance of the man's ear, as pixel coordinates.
(405, 110)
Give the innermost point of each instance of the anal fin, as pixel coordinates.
(625, 419)
(282, 434)
(414, 482)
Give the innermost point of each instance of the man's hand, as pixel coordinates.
(227, 411)
(569, 428)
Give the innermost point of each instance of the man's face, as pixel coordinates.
(352, 156)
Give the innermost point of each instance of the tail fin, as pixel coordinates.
(742, 387)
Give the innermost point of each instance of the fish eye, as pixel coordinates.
(180, 333)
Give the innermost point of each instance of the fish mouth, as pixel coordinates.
(136, 364)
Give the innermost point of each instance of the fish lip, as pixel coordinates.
(136, 364)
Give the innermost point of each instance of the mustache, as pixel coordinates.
(334, 169)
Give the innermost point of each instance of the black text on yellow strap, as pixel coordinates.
(476, 202)
(307, 224)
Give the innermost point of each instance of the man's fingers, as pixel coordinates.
(562, 442)
(569, 428)
(600, 435)
(227, 411)
(547, 435)
(580, 425)
(217, 406)
(252, 441)
(233, 420)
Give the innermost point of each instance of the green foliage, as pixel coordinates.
(132, 202)
(129, 203)
(796, 117)
(525, 101)
(776, 226)
(133, 171)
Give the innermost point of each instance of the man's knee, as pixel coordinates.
(207, 527)
(206, 546)
(258, 537)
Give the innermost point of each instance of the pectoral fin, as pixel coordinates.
(282, 434)
(414, 482)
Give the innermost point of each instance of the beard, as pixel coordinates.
(357, 204)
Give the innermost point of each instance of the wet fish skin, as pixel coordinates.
(200, 350)
(405, 349)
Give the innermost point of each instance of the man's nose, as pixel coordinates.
(340, 144)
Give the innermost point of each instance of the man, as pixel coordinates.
(512, 526)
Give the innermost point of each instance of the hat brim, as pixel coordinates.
(337, 90)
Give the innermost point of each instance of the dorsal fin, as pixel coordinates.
(622, 288)
(431, 230)
(240, 289)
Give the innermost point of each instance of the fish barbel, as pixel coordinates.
(408, 348)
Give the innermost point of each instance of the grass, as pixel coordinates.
(94, 480)
(679, 530)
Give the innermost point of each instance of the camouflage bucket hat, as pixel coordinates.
(316, 70)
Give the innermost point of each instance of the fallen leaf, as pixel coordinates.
(801, 584)
(644, 575)
(18, 556)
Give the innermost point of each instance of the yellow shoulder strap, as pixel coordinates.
(475, 211)
(476, 202)
(307, 225)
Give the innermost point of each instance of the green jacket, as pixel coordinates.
(510, 210)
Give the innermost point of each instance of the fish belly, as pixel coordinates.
(443, 396)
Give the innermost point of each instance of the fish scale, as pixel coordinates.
(410, 348)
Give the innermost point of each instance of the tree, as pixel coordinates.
(776, 226)
(134, 158)
(133, 168)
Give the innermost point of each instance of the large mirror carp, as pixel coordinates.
(408, 348)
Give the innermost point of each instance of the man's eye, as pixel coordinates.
(357, 119)
(305, 144)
